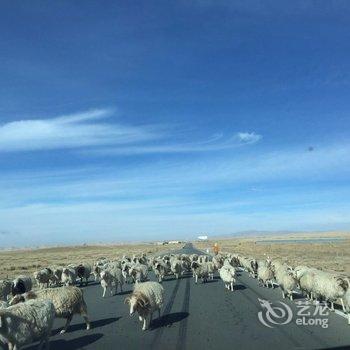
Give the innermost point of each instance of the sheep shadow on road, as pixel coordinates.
(168, 320)
(174, 278)
(239, 287)
(82, 326)
(124, 292)
(71, 344)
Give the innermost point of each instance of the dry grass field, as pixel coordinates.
(16, 262)
(329, 256)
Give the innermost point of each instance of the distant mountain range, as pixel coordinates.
(254, 233)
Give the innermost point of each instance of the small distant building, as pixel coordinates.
(202, 238)
(174, 242)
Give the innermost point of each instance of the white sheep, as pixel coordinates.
(69, 276)
(227, 274)
(321, 284)
(200, 271)
(285, 278)
(21, 284)
(249, 265)
(27, 322)
(176, 267)
(146, 298)
(346, 303)
(109, 277)
(67, 301)
(138, 272)
(160, 270)
(265, 273)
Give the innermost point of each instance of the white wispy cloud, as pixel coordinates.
(94, 134)
(71, 131)
(248, 137)
(217, 142)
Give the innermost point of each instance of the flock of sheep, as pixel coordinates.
(27, 315)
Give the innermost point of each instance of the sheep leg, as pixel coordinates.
(83, 313)
(232, 286)
(342, 304)
(47, 340)
(69, 319)
(104, 292)
(332, 306)
(283, 294)
(291, 296)
(144, 327)
(196, 279)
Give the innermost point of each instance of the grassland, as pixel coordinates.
(329, 256)
(13, 263)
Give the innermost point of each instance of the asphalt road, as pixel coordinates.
(203, 316)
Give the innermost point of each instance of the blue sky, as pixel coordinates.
(151, 120)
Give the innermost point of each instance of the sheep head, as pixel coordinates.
(138, 302)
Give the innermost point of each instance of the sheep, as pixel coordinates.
(83, 272)
(68, 276)
(203, 258)
(227, 274)
(138, 272)
(96, 270)
(43, 277)
(248, 265)
(194, 257)
(56, 276)
(254, 265)
(109, 277)
(67, 300)
(286, 280)
(21, 284)
(346, 302)
(5, 289)
(176, 267)
(321, 284)
(160, 270)
(27, 322)
(265, 273)
(200, 271)
(146, 298)
(218, 262)
(186, 263)
(330, 287)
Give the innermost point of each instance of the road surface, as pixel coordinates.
(203, 316)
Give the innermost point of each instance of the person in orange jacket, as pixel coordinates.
(216, 249)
